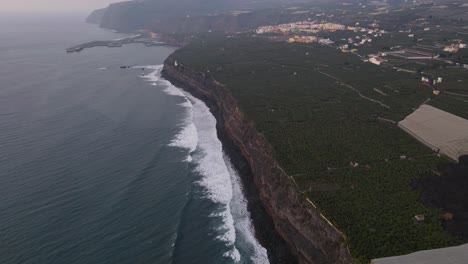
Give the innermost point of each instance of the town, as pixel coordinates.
(421, 47)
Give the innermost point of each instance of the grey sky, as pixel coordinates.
(53, 5)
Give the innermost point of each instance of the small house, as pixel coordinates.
(376, 60)
(419, 217)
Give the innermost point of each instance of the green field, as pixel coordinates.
(319, 109)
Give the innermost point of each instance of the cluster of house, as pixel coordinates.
(311, 27)
(455, 47)
(302, 26)
(376, 32)
(376, 58)
(360, 40)
(429, 81)
(310, 39)
(356, 42)
(314, 27)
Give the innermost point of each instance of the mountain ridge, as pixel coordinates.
(191, 16)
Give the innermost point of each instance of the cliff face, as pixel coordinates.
(309, 237)
(96, 16)
(123, 17)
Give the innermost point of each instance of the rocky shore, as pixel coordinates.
(303, 232)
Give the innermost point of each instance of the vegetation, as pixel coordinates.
(454, 98)
(321, 110)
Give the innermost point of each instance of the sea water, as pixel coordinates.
(107, 165)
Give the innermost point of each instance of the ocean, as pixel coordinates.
(107, 165)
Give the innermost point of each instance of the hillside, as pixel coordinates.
(187, 16)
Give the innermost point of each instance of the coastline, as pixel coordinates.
(278, 251)
(242, 165)
(300, 231)
(289, 226)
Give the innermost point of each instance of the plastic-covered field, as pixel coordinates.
(452, 255)
(438, 130)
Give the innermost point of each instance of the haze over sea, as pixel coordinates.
(103, 165)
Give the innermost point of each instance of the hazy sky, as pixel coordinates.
(53, 5)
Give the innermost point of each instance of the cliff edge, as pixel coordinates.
(310, 237)
(96, 16)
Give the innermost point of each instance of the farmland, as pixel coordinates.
(330, 119)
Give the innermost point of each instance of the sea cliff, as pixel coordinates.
(309, 237)
(96, 16)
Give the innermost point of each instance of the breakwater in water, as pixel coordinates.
(144, 38)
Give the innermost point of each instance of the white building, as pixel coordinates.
(376, 60)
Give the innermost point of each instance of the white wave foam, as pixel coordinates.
(187, 137)
(154, 75)
(171, 89)
(243, 223)
(219, 179)
(223, 185)
(233, 254)
(216, 178)
(186, 104)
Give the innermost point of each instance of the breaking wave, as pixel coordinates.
(219, 179)
(243, 223)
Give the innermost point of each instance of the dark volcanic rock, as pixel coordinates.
(449, 191)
